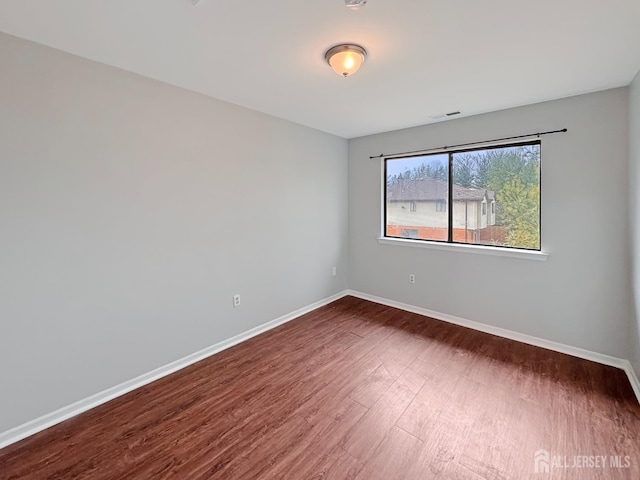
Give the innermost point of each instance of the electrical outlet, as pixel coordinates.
(236, 300)
(412, 278)
(334, 271)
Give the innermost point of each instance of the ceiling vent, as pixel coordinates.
(443, 115)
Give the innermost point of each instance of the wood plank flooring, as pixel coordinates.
(353, 390)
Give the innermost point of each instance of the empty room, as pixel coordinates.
(330, 239)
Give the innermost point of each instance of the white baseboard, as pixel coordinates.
(22, 431)
(510, 334)
(633, 379)
(34, 426)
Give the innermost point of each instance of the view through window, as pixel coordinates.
(494, 193)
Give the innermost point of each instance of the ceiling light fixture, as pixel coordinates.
(345, 59)
(355, 4)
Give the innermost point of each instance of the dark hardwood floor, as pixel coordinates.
(353, 390)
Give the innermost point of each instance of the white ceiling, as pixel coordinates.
(426, 57)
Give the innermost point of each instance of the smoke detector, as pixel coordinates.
(355, 4)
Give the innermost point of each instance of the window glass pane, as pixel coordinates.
(409, 233)
(416, 197)
(508, 176)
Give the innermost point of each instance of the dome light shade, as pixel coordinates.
(345, 59)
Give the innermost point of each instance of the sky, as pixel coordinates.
(395, 166)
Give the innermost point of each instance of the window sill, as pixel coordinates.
(475, 249)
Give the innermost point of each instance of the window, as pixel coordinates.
(507, 177)
(412, 207)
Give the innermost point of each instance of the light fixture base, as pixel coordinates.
(355, 4)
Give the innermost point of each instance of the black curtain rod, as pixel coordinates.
(382, 155)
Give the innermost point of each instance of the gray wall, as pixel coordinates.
(130, 213)
(634, 176)
(580, 296)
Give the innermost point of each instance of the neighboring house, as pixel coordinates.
(419, 209)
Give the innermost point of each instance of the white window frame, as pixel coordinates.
(510, 252)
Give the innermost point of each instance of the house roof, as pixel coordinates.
(429, 189)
